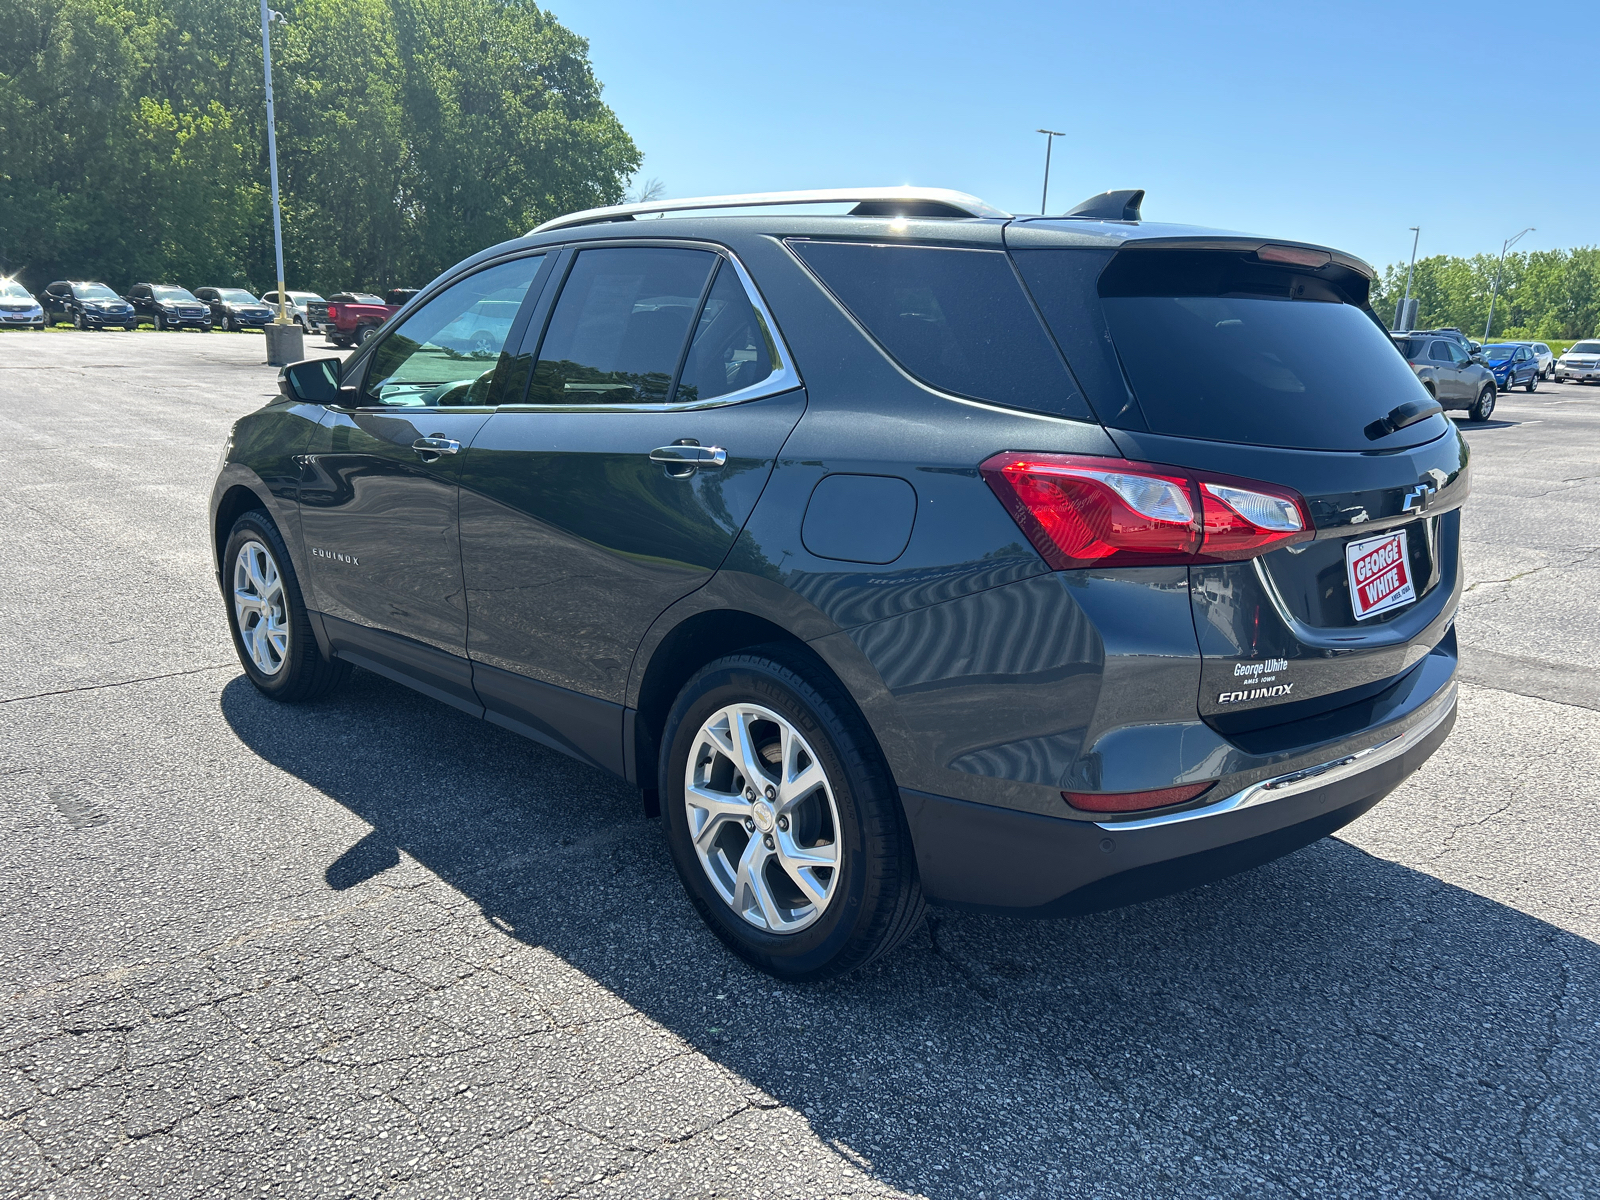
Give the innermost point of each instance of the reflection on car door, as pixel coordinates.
(378, 490)
(573, 537)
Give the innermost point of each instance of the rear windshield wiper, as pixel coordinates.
(1402, 415)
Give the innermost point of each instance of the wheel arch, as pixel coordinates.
(695, 641)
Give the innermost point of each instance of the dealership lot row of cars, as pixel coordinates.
(89, 305)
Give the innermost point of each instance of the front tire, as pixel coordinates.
(1483, 407)
(783, 820)
(267, 615)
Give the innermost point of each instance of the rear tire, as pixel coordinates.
(1533, 382)
(1483, 407)
(843, 808)
(267, 615)
(366, 334)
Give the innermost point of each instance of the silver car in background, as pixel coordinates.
(19, 308)
(306, 309)
(1581, 363)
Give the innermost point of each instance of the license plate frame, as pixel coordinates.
(1380, 574)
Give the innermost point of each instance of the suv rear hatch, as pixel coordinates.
(1263, 361)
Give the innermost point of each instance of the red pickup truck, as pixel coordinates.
(353, 317)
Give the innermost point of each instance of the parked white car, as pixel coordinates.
(306, 309)
(1581, 363)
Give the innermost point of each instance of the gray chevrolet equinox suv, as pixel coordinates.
(920, 553)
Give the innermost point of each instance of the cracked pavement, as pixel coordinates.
(371, 947)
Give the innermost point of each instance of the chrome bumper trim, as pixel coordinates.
(1295, 782)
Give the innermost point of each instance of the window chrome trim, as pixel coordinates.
(786, 378)
(1293, 783)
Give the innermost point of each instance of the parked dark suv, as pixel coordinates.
(87, 305)
(167, 306)
(1025, 564)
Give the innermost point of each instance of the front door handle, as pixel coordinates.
(435, 446)
(689, 455)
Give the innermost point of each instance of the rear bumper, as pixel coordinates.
(975, 856)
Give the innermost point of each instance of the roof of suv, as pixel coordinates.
(910, 214)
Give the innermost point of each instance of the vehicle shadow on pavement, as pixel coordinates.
(1327, 1023)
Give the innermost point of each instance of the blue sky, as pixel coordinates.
(1335, 123)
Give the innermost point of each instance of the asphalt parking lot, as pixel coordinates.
(372, 947)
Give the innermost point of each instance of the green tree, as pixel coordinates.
(411, 133)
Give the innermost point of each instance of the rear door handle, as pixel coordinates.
(689, 456)
(435, 445)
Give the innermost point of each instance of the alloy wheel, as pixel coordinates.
(260, 607)
(762, 818)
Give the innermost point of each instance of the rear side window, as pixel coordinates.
(956, 319)
(620, 327)
(1220, 346)
(731, 349)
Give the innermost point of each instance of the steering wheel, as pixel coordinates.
(466, 393)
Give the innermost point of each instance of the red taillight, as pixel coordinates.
(1297, 255)
(1082, 512)
(333, 312)
(1121, 802)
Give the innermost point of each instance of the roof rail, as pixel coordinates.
(869, 202)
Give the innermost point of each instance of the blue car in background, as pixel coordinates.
(1513, 366)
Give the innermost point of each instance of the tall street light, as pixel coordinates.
(1405, 304)
(1495, 290)
(267, 17)
(1050, 140)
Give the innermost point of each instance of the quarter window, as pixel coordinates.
(957, 319)
(618, 332)
(445, 353)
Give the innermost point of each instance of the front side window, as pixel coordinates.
(445, 353)
(618, 331)
(1459, 356)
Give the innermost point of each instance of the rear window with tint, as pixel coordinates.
(1412, 347)
(956, 319)
(1217, 345)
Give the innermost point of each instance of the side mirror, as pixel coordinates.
(311, 381)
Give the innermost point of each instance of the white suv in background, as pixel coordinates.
(306, 309)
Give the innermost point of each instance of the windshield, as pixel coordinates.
(237, 296)
(1214, 347)
(93, 291)
(12, 290)
(172, 293)
(1497, 353)
(1585, 348)
(302, 297)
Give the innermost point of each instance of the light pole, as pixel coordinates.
(1405, 304)
(267, 17)
(1050, 140)
(1494, 292)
